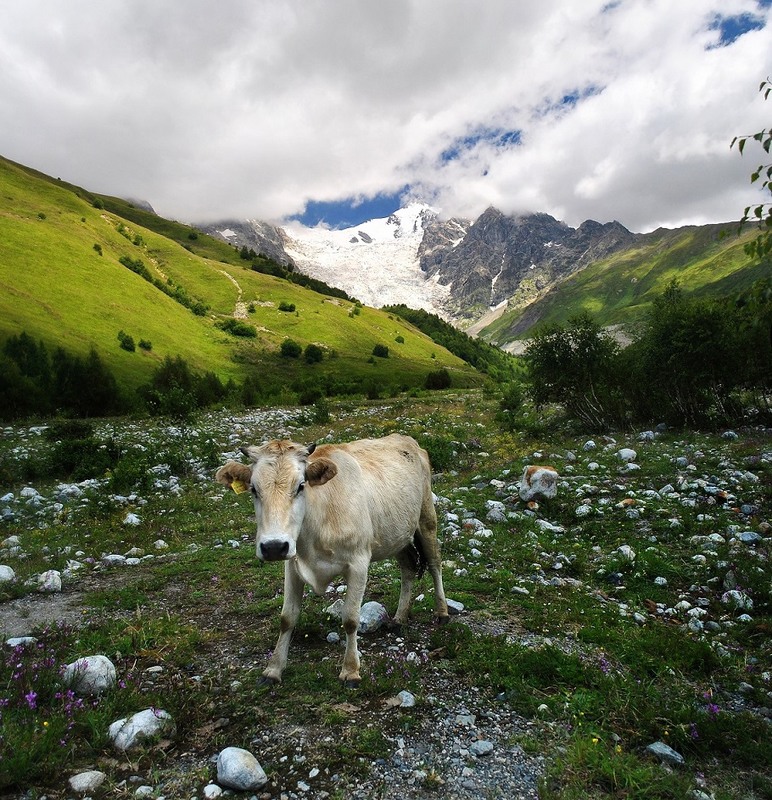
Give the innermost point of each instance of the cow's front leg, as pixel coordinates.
(355, 592)
(290, 611)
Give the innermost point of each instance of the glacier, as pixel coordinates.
(375, 262)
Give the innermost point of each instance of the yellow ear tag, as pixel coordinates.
(239, 486)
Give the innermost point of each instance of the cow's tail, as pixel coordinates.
(420, 555)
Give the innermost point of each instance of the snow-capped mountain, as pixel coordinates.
(376, 262)
(461, 270)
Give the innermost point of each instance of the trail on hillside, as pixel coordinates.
(240, 309)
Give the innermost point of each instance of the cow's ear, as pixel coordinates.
(320, 471)
(310, 449)
(251, 452)
(233, 471)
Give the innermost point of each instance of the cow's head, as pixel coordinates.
(277, 477)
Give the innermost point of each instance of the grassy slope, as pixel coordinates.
(618, 290)
(58, 288)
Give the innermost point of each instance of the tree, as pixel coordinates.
(761, 247)
(576, 365)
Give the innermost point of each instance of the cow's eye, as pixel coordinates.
(301, 486)
(253, 490)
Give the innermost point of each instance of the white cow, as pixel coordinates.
(331, 510)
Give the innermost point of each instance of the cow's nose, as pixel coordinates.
(274, 549)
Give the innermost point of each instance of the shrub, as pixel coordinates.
(313, 354)
(145, 344)
(286, 306)
(400, 339)
(381, 351)
(438, 380)
(98, 248)
(127, 341)
(442, 453)
(290, 349)
(237, 328)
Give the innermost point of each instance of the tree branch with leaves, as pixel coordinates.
(761, 246)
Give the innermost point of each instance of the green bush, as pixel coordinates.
(290, 349)
(381, 351)
(313, 354)
(286, 306)
(237, 328)
(127, 341)
(440, 379)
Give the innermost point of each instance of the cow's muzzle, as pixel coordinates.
(274, 550)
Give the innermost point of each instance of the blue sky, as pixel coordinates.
(337, 111)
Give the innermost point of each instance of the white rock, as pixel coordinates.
(627, 454)
(50, 581)
(239, 769)
(87, 782)
(160, 544)
(737, 599)
(455, 606)
(583, 510)
(131, 732)
(406, 699)
(6, 574)
(21, 641)
(372, 616)
(131, 519)
(90, 675)
(212, 791)
(626, 552)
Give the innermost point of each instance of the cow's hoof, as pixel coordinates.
(443, 620)
(352, 683)
(266, 683)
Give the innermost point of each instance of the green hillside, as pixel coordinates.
(64, 280)
(619, 290)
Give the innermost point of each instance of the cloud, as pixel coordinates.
(255, 108)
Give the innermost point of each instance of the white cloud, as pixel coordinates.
(249, 109)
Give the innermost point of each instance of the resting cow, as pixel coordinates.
(331, 510)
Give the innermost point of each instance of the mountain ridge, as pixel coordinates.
(499, 275)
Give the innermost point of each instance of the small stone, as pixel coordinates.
(666, 753)
(133, 731)
(627, 454)
(406, 699)
(481, 748)
(239, 769)
(372, 616)
(90, 675)
(50, 581)
(6, 574)
(212, 791)
(455, 606)
(87, 782)
(131, 519)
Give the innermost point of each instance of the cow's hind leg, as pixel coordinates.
(290, 611)
(426, 539)
(408, 560)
